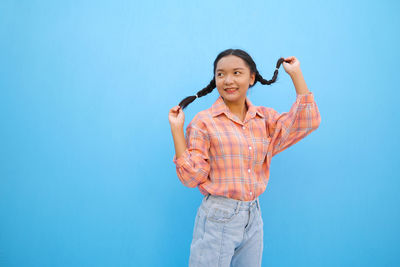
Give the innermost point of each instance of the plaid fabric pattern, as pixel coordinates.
(228, 157)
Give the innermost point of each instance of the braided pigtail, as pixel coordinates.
(263, 81)
(206, 90)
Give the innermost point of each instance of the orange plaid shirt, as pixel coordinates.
(228, 157)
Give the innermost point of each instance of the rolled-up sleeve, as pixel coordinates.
(290, 127)
(193, 166)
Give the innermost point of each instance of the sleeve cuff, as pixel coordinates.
(306, 98)
(181, 159)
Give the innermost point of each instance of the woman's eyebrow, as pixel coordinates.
(234, 69)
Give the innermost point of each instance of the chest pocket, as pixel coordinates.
(261, 148)
(224, 144)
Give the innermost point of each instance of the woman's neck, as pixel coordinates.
(239, 109)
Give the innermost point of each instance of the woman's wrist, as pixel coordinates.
(179, 140)
(296, 74)
(176, 128)
(299, 83)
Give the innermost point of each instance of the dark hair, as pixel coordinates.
(250, 63)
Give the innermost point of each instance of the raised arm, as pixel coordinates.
(191, 155)
(290, 127)
(292, 67)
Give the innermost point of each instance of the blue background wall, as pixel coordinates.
(86, 171)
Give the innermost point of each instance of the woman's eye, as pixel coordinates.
(220, 74)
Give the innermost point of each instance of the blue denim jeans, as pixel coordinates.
(227, 232)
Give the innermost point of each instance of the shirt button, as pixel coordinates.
(251, 193)
(243, 127)
(249, 147)
(249, 170)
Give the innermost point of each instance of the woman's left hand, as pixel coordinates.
(291, 65)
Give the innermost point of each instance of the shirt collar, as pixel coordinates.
(219, 107)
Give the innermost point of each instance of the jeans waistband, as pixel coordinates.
(233, 203)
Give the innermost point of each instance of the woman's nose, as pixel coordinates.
(228, 79)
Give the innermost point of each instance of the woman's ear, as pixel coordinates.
(252, 78)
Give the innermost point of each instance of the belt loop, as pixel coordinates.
(258, 203)
(237, 206)
(208, 196)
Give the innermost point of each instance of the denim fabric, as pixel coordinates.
(227, 232)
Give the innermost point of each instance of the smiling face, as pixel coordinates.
(233, 78)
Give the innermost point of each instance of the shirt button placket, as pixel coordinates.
(250, 148)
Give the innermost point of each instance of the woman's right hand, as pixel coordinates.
(176, 117)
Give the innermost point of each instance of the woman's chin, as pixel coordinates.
(231, 97)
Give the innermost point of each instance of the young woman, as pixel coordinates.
(227, 155)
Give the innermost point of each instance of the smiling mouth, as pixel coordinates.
(230, 89)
